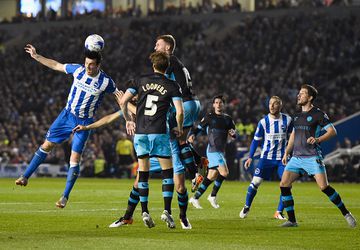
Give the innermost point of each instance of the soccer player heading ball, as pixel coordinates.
(88, 88)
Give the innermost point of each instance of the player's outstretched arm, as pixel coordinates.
(100, 123)
(52, 64)
(131, 107)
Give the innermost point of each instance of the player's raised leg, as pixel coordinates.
(38, 158)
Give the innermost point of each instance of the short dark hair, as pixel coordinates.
(169, 39)
(312, 91)
(93, 55)
(219, 97)
(160, 60)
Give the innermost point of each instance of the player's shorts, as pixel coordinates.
(191, 113)
(310, 165)
(178, 166)
(154, 165)
(62, 127)
(152, 145)
(215, 159)
(265, 168)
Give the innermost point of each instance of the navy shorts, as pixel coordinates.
(62, 127)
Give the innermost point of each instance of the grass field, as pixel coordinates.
(30, 220)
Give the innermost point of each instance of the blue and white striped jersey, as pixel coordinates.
(274, 133)
(87, 92)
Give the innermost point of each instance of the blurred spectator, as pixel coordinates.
(126, 155)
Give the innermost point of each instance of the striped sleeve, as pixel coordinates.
(110, 88)
(259, 133)
(70, 68)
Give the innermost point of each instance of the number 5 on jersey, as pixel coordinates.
(150, 105)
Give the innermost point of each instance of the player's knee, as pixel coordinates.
(212, 174)
(224, 171)
(180, 189)
(284, 183)
(256, 181)
(75, 157)
(47, 146)
(225, 174)
(323, 187)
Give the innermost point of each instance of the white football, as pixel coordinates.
(94, 43)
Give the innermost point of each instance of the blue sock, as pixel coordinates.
(188, 160)
(252, 190)
(72, 175)
(38, 158)
(336, 199)
(217, 184)
(288, 202)
(281, 205)
(183, 199)
(167, 188)
(143, 187)
(202, 188)
(132, 203)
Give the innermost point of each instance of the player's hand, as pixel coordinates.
(130, 127)
(31, 50)
(191, 138)
(232, 132)
(247, 163)
(79, 128)
(118, 95)
(311, 140)
(177, 131)
(284, 159)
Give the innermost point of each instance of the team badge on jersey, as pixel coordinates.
(309, 118)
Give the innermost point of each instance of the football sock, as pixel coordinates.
(183, 203)
(143, 187)
(132, 203)
(187, 159)
(217, 184)
(72, 176)
(167, 187)
(336, 199)
(281, 205)
(251, 192)
(202, 188)
(288, 202)
(38, 158)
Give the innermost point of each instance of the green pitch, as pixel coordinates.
(30, 220)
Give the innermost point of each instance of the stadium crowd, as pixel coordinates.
(205, 7)
(249, 63)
